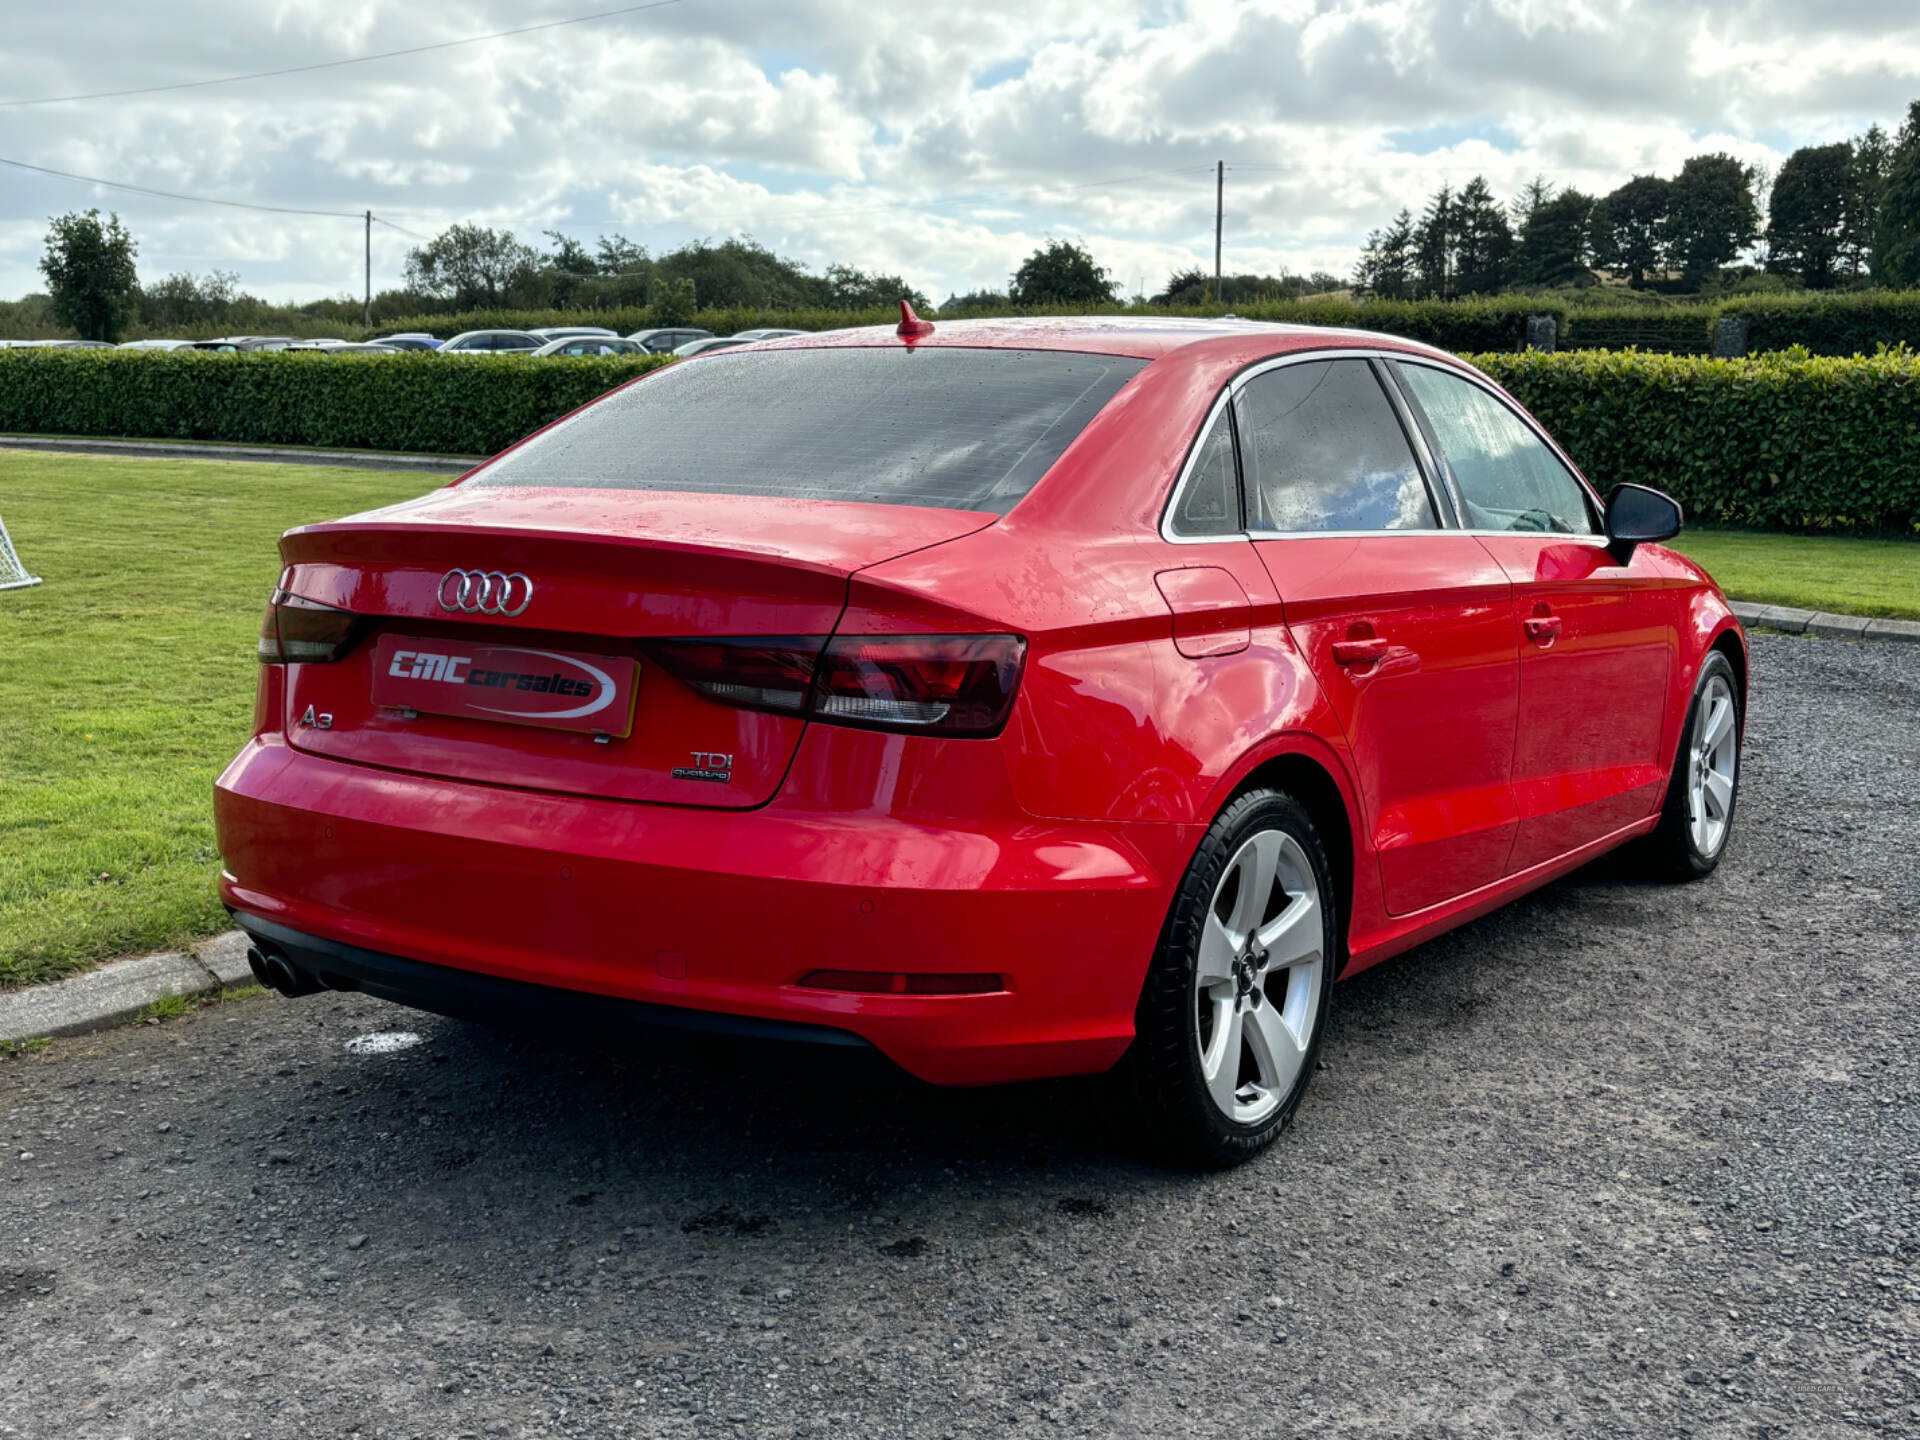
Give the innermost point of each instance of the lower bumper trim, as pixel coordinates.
(470, 995)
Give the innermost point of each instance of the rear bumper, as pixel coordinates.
(711, 911)
(472, 996)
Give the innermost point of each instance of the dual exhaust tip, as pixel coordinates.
(275, 971)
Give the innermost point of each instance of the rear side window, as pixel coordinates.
(943, 428)
(1505, 473)
(1323, 450)
(1210, 501)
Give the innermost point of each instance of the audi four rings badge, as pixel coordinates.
(485, 592)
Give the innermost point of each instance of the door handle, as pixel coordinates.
(1359, 652)
(1542, 629)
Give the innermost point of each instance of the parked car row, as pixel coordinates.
(570, 340)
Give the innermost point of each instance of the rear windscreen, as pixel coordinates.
(944, 428)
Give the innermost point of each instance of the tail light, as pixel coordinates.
(921, 684)
(931, 684)
(301, 631)
(765, 673)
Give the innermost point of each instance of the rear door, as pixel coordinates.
(1597, 638)
(1407, 624)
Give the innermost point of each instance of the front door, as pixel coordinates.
(1407, 625)
(1597, 638)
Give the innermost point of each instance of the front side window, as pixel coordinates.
(1507, 477)
(943, 427)
(1322, 449)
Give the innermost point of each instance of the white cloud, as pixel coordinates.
(939, 141)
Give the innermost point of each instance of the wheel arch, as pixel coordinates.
(1733, 644)
(1311, 780)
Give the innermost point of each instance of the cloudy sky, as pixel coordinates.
(942, 141)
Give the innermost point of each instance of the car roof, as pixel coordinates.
(1141, 337)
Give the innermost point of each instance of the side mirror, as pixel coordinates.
(1639, 515)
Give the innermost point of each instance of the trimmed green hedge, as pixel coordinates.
(429, 403)
(1776, 442)
(1826, 324)
(1772, 442)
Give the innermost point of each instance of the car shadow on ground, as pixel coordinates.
(733, 1138)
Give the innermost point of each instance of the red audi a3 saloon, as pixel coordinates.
(1015, 697)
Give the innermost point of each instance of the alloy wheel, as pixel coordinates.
(1713, 758)
(1257, 977)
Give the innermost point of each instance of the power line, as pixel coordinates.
(350, 60)
(176, 195)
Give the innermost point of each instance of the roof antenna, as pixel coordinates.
(911, 325)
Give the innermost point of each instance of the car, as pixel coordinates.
(155, 344)
(57, 344)
(567, 332)
(711, 343)
(1015, 699)
(227, 344)
(590, 345)
(490, 342)
(358, 348)
(661, 341)
(408, 340)
(324, 342)
(765, 334)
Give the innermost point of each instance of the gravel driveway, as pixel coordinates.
(1617, 1161)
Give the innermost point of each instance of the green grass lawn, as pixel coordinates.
(126, 684)
(1812, 572)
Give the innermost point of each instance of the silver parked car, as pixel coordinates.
(590, 345)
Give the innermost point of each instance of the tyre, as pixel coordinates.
(1228, 1027)
(1697, 819)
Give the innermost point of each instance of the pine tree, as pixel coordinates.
(1484, 244)
(1434, 248)
(1896, 251)
(1554, 240)
(1387, 264)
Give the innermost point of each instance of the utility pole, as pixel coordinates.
(369, 269)
(1219, 213)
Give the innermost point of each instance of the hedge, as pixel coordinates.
(1773, 442)
(1604, 319)
(428, 403)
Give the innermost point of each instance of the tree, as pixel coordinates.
(851, 289)
(1711, 215)
(1896, 251)
(618, 257)
(1387, 264)
(184, 299)
(1807, 223)
(471, 264)
(566, 268)
(90, 274)
(670, 302)
(1061, 273)
(1872, 154)
(1555, 240)
(1628, 227)
(1433, 248)
(974, 300)
(1484, 243)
